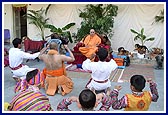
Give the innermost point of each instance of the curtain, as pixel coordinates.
(137, 16)
(130, 16)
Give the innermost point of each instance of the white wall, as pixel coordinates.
(8, 19)
(59, 15)
(137, 16)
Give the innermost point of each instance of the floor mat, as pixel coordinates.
(116, 75)
(72, 67)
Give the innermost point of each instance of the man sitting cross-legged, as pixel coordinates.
(91, 43)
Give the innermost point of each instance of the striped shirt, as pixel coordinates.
(105, 104)
(30, 101)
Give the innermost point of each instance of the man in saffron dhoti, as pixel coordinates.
(54, 71)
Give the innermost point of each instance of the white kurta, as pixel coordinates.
(16, 57)
(100, 72)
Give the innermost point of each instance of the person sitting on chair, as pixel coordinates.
(90, 44)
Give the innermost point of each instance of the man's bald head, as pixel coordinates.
(53, 45)
(92, 32)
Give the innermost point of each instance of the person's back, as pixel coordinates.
(53, 62)
(15, 58)
(142, 102)
(54, 70)
(139, 100)
(87, 100)
(30, 100)
(101, 71)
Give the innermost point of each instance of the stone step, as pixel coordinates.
(142, 61)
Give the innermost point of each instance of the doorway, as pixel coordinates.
(20, 22)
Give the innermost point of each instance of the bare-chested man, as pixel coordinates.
(55, 70)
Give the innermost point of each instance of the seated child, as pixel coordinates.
(87, 100)
(122, 53)
(139, 100)
(140, 51)
(33, 77)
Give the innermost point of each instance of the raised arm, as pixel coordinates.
(105, 100)
(70, 58)
(154, 91)
(63, 105)
(43, 51)
(117, 103)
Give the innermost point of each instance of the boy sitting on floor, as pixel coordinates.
(139, 100)
(87, 101)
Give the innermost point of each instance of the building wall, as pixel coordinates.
(8, 19)
(129, 16)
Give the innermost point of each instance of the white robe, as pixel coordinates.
(16, 57)
(100, 72)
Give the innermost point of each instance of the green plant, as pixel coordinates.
(141, 36)
(100, 17)
(38, 19)
(61, 31)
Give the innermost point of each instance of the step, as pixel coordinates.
(142, 61)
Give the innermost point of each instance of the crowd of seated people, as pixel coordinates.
(54, 70)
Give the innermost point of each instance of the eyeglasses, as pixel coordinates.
(92, 32)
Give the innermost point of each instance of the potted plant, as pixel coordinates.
(140, 35)
(37, 18)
